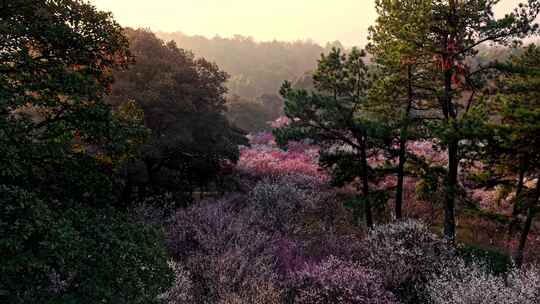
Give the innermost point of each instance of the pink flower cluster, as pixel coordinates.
(265, 159)
(281, 122)
(428, 151)
(491, 200)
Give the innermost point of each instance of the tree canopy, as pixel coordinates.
(60, 145)
(183, 100)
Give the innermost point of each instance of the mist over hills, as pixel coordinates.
(256, 68)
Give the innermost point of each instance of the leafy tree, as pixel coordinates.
(77, 255)
(64, 237)
(514, 147)
(453, 32)
(398, 95)
(248, 115)
(333, 116)
(183, 100)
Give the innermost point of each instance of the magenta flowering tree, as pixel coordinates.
(264, 159)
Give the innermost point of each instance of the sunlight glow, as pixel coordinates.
(320, 20)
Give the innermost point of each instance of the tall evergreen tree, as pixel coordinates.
(453, 31)
(398, 94)
(333, 116)
(515, 145)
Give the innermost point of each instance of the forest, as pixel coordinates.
(142, 167)
(257, 70)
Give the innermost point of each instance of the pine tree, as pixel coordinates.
(398, 94)
(333, 116)
(452, 31)
(515, 145)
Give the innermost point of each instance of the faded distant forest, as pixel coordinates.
(160, 167)
(257, 70)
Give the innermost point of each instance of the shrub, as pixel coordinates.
(226, 257)
(263, 161)
(464, 283)
(496, 261)
(290, 256)
(182, 290)
(76, 255)
(405, 252)
(317, 247)
(263, 292)
(276, 205)
(336, 281)
(283, 205)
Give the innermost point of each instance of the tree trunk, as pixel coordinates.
(403, 147)
(365, 182)
(519, 190)
(451, 190)
(532, 210)
(400, 179)
(453, 160)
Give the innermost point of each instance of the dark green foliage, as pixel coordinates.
(443, 37)
(183, 102)
(514, 145)
(76, 255)
(251, 116)
(64, 237)
(513, 142)
(335, 116)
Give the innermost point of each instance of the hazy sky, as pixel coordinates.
(321, 20)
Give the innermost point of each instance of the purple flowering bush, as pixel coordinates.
(258, 247)
(264, 247)
(223, 254)
(284, 242)
(337, 281)
(232, 247)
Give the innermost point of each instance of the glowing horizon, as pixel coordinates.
(288, 20)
